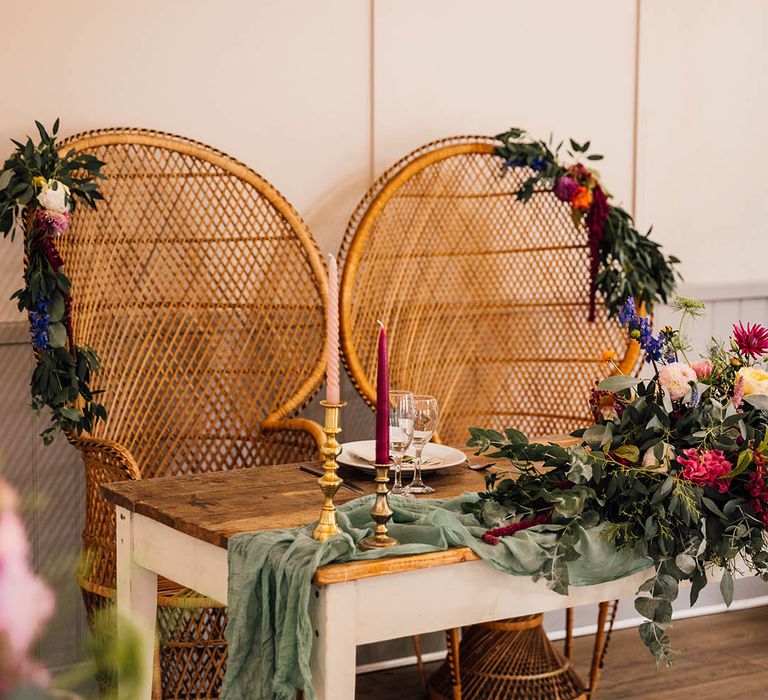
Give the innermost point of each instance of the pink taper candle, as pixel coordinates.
(382, 400)
(332, 394)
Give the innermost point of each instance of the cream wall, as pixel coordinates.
(320, 95)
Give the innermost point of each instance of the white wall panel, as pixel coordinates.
(702, 138)
(447, 67)
(282, 85)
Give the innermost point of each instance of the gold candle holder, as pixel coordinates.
(329, 482)
(381, 512)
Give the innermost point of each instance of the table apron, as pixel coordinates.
(429, 600)
(182, 558)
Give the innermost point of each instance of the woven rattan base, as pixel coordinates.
(506, 660)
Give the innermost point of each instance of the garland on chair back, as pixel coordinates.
(38, 190)
(623, 262)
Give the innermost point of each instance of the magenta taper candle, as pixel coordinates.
(382, 400)
(333, 394)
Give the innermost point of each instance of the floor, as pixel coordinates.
(720, 656)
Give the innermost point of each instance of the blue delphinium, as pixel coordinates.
(39, 321)
(539, 163)
(639, 329)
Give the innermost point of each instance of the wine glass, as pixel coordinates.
(400, 431)
(425, 419)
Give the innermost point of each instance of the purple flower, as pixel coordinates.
(39, 321)
(539, 163)
(565, 188)
(639, 329)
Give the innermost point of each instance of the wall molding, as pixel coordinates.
(14, 333)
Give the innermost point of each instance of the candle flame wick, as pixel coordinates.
(381, 323)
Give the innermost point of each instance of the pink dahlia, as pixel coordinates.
(706, 468)
(752, 340)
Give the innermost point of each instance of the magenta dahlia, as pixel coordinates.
(752, 340)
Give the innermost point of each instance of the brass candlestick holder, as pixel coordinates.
(381, 512)
(329, 482)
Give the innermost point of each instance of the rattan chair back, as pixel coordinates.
(203, 292)
(485, 298)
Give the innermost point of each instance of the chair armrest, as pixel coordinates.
(105, 461)
(107, 454)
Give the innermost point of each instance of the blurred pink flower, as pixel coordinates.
(26, 602)
(703, 367)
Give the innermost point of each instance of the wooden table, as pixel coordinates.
(178, 527)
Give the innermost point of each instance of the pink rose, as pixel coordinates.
(703, 367)
(676, 378)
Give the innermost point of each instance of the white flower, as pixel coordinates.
(650, 461)
(53, 196)
(676, 378)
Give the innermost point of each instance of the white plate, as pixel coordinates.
(361, 454)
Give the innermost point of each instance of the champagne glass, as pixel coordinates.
(425, 419)
(400, 431)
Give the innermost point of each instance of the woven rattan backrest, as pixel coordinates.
(485, 298)
(203, 292)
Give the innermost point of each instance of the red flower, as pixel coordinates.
(494, 536)
(752, 340)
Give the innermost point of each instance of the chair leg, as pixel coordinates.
(606, 613)
(568, 650)
(452, 642)
(416, 639)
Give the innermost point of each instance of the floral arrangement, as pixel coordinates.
(39, 188)
(675, 466)
(623, 262)
(26, 602)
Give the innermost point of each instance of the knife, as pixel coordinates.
(349, 484)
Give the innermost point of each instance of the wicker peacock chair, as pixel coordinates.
(203, 292)
(486, 302)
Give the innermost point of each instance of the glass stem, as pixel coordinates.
(417, 466)
(398, 485)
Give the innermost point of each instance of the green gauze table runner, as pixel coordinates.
(270, 579)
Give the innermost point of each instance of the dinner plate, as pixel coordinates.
(361, 454)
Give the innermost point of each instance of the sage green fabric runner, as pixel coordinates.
(270, 578)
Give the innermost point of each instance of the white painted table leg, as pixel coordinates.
(136, 602)
(333, 610)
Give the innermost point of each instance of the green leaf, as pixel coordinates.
(57, 308)
(5, 179)
(57, 335)
(686, 563)
(726, 587)
(618, 382)
(628, 452)
(758, 401)
(70, 413)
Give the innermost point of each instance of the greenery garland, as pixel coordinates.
(675, 467)
(624, 262)
(39, 188)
